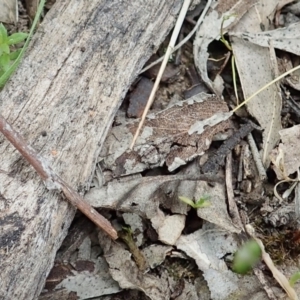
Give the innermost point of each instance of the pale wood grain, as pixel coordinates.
(62, 100)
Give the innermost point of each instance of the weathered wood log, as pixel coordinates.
(62, 99)
(52, 181)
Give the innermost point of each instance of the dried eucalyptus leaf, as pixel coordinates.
(142, 195)
(286, 39)
(210, 30)
(208, 247)
(254, 66)
(289, 149)
(216, 212)
(87, 284)
(145, 195)
(8, 11)
(124, 270)
(156, 254)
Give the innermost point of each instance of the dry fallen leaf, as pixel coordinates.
(171, 228)
(286, 38)
(89, 284)
(8, 11)
(210, 30)
(141, 195)
(145, 195)
(85, 273)
(156, 254)
(288, 154)
(126, 273)
(216, 212)
(208, 246)
(255, 70)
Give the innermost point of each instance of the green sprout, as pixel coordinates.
(294, 278)
(127, 229)
(7, 54)
(201, 203)
(127, 236)
(222, 39)
(15, 58)
(246, 257)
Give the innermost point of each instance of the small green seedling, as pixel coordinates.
(294, 278)
(246, 257)
(7, 52)
(17, 56)
(127, 229)
(202, 202)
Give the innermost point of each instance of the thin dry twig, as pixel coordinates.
(261, 277)
(233, 210)
(53, 181)
(256, 157)
(207, 6)
(240, 170)
(265, 87)
(174, 36)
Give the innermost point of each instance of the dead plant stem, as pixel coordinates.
(174, 36)
(207, 6)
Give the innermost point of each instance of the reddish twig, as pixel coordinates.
(53, 181)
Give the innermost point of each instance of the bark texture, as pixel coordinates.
(62, 99)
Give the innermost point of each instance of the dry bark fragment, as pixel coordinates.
(218, 159)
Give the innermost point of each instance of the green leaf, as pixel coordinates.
(14, 55)
(246, 257)
(4, 48)
(4, 77)
(202, 202)
(295, 277)
(127, 229)
(16, 38)
(188, 201)
(4, 62)
(3, 34)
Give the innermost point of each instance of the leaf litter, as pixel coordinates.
(141, 187)
(255, 70)
(173, 136)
